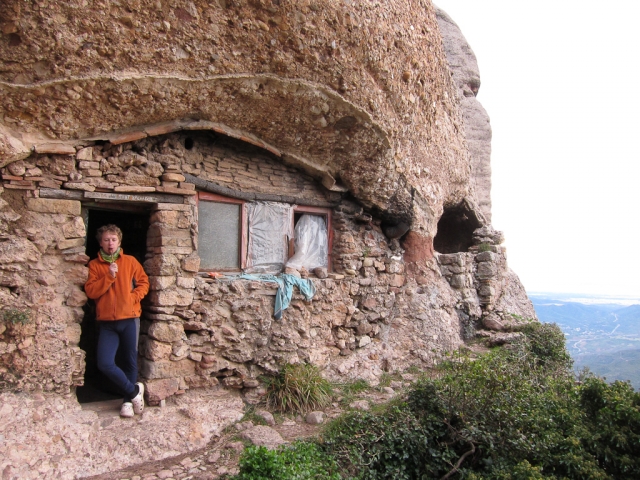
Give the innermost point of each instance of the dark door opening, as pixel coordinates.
(134, 226)
(455, 229)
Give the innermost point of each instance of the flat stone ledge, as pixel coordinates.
(95, 431)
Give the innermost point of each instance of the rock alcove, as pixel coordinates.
(455, 229)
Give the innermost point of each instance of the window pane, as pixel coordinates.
(312, 243)
(269, 227)
(219, 235)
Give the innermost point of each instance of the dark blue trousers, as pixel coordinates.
(123, 335)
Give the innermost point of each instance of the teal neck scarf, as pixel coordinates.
(110, 258)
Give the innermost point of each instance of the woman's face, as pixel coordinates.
(109, 242)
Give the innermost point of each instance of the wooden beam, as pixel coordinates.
(134, 197)
(61, 194)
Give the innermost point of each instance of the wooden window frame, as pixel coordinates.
(322, 212)
(242, 234)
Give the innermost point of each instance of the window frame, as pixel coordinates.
(243, 234)
(243, 227)
(321, 212)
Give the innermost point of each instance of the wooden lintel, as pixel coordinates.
(134, 197)
(61, 194)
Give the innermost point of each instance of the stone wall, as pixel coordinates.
(369, 315)
(142, 104)
(490, 296)
(42, 271)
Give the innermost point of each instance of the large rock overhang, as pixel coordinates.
(311, 127)
(379, 118)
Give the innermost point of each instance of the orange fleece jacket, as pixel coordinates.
(117, 298)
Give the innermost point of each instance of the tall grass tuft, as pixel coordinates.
(298, 388)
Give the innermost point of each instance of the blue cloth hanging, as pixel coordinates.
(285, 282)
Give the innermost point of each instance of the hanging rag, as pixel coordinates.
(285, 282)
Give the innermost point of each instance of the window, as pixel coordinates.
(221, 223)
(311, 244)
(260, 237)
(269, 231)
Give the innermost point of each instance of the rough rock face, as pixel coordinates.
(380, 117)
(149, 108)
(142, 111)
(466, 77)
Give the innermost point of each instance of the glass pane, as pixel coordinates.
(269, 226)
(312, 243)
(219, 235)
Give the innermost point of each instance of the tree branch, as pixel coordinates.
(459, 462)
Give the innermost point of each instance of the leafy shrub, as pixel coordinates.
(391, 444)
(516, 413)
(16, 316)
(546, 344)
(298, 388)
(503, 410)
(300, 461)
(484, 247)
(613, 421)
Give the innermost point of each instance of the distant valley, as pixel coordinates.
(603, 333)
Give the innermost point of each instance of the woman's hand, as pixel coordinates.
(113, 269)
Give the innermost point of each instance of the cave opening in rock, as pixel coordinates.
(455, 229)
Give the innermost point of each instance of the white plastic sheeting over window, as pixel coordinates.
(269, 229)
(311, 243)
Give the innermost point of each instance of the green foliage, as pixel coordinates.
(349, 391)
(16, 316)
(251, 416)
(298, 388)
(516, 413)
(613, 419)
(300, 461)
(391, 444)
(505, 408)
(484, 247)
(546, 344)
(353, 388)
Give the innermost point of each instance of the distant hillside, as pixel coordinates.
(622, 365)
(602, 336)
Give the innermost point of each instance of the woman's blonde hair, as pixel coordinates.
(111, 228)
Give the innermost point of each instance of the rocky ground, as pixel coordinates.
(220, 457)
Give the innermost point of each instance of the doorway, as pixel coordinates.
(134, 223)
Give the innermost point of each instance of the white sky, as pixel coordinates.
(559, 81)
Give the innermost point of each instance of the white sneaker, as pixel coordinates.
(126, 410)
(138, 400)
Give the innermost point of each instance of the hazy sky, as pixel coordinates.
(559, 81)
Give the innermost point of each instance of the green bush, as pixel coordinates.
(300, 461)
(613, 422)
(515, 413)
(298, 388)
(484, 247)
(391, 444)
(546, 344)
(16, 316)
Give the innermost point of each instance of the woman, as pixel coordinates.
(118, 283)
